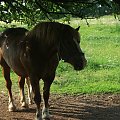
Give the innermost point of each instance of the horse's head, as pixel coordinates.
(70, 50)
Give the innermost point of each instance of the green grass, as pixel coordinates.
(101, 44)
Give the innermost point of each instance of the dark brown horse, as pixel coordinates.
(36, 55)
(18, 34)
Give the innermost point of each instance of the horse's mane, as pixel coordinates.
(49, 32)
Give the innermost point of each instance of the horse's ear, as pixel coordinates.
(77, 28)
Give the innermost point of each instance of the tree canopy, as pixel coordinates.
(32, 11)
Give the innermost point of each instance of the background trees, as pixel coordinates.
(32, 11)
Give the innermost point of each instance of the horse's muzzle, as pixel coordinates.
(81, 65)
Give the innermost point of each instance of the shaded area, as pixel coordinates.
(66, 107)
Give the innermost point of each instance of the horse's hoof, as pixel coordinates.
(30, 102)
(45, 114)
(38, 115)
(12, 109)
(24, 105)
(38, 119)
(46, 119)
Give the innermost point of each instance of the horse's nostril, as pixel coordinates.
(79, 66)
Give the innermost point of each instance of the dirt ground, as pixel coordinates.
(66, 107)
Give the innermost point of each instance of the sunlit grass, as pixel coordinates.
(101, 44)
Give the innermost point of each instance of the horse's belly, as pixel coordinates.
(15, 64)
(20, 71)
(17, 68)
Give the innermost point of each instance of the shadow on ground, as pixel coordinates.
(65, 107)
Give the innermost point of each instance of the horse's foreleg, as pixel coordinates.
(37, 96)
(30, 94)
(46, 91)
(6, 74)
(21, 81)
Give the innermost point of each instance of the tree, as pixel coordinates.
(32, 11)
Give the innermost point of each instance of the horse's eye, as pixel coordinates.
(82, 53)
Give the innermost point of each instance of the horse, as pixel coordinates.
(6, 72)
(37, 54)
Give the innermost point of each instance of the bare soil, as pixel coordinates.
(66, 107)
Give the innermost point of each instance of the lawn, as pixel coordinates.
(101, 43)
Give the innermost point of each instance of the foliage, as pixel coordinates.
(32, 11)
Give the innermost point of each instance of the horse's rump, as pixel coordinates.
(11, 41)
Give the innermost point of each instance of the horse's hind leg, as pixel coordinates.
(21, 81)
(30, 93)
(46, 89)
(6, 74)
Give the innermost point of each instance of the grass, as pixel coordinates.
(101, 44)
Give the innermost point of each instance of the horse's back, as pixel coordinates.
(14, 31)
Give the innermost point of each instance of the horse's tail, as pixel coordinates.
(1, 38)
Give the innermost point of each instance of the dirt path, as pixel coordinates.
(64, 107)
